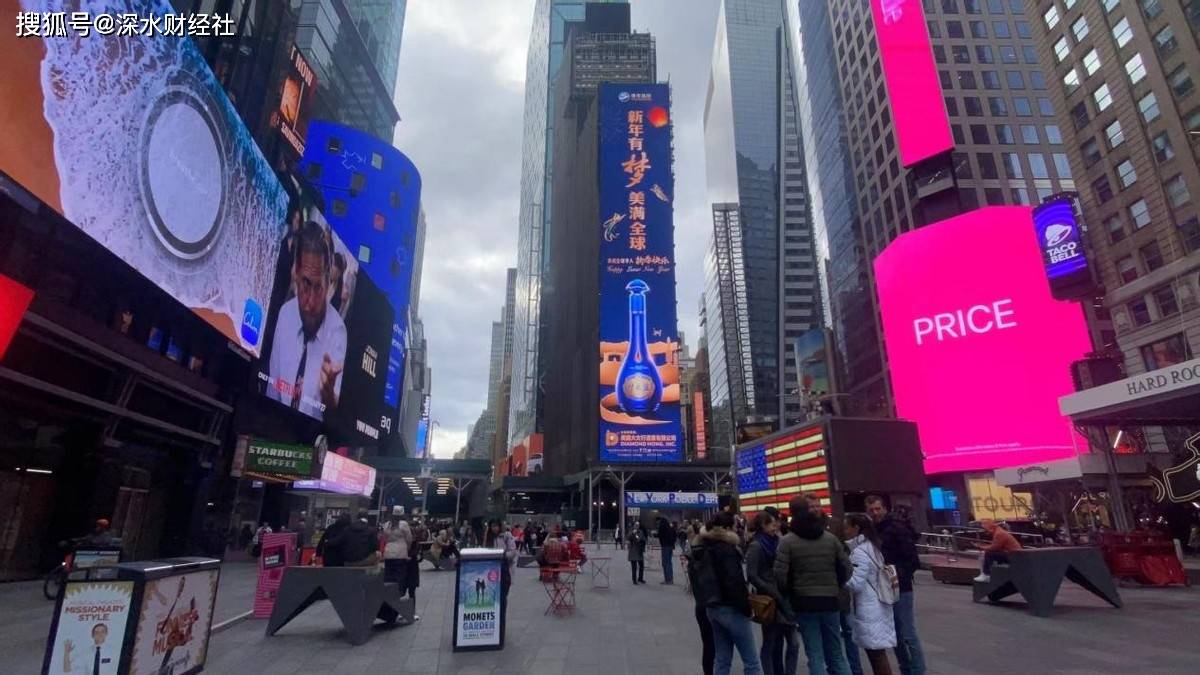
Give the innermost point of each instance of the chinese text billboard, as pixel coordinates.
(639, 370)
(914, 91)
(131, 138)
(978, 350)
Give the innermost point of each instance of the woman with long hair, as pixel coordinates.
(872, 619)
(760, 565)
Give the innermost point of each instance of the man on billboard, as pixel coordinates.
(308, 352)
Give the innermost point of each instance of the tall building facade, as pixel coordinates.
(1009, 146)
(755, 160)
(1123, 73)
(547, 42)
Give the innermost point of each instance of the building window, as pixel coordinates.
(1103, 97)
(1168, 352)
(1163, 150)
(1091, 62)
(1020, 196)
(1021, 105)
(961, 54)
(1151, 256)
(1051, 16)
(1164, 297)
(1148, 104)
(1103, 189)
(1165, 42)
(987, 165)
(1068, 3)
(952, 108)
(1190, 231)
(1029, 53)
(1000, 29)
(1177, 191)
(1091, 152)
(1191, 121)
(1126, 174)
(1015, 79)
(935, 29)
(979, 134)
(993, 196)
(1140, 214)
(1122, 33)
(1023, 31)
(1127, 269)
(1061, 49)
(1062, 166)
(1053, 135)
(1037, 165)
(1109, 5)
(1181, 81)
(1116, 228)
(1079, 115)
(1135, 68)
(979, 29)
(1140, 312)
(998, 106)
(1080, 28)
(1008, 54)
(1151, 8)
(972, 106)
(1045, 107)
(984, 54)
(991, 79)
(1114, 134)
(954, 29)
(1012, 165)
(1071, 81)
(1029, 134)
(1037, 81)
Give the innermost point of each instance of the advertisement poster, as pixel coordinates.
(278, 552)
(176, 616)
(639, 345)
(979, 350)
(812, 359)
(331, 330)
(90, 630)
(477, 607)
(131, 138)
(297, 93)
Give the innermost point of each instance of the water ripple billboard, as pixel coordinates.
(132, 139)
(639, 345)
(978, 349)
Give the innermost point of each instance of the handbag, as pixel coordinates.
(762, 608)
(887, 580)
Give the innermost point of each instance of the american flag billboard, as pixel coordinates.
(772, 473)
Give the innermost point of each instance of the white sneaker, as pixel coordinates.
(982, 579)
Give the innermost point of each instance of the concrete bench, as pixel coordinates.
(358, 595)
(1037, 575)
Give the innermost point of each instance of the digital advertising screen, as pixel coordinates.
(772, 473)
(812, 360)
(342, 475)
(331, 331)
(914, 91)
(295, 96)
(131, 138)
(372, 197)
(979, 352)
(1060, 238)
(639, 344)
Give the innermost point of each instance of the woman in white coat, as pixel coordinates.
(872, 618)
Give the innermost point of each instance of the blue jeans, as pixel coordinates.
(732, 629)
(822, 635)
(908, 645)
(852, 656)
(668, 567)
(780, 653)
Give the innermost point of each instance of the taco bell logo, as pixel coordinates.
(1057, 233)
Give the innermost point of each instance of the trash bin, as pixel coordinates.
(479, 603)
(139, 618)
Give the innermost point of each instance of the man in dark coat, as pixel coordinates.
(900, 549)
(666, 539)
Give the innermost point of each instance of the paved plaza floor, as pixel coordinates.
(651, 630)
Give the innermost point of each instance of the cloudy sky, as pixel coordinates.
(461, 96)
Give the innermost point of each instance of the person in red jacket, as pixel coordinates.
(1002, 544)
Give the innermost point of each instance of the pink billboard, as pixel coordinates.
(978, 350)
(922, 127)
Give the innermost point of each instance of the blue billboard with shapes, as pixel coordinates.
(639, 342)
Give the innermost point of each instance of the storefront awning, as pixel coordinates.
(1166, 396)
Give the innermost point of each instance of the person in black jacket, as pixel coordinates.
(780, 653)
(696, 551)
(720, 586)
(331, 556)
(666, 539)
(899, 545)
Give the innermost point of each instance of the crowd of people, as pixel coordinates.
(834, 597)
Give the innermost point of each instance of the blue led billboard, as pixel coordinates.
(1059, 238)
(639, 345)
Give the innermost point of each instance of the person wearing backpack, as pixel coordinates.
(720, 586)
(874, 591)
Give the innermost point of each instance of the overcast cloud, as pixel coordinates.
(461, 98)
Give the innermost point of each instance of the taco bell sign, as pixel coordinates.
(1059, 238)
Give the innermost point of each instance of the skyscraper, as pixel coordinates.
(727, 328)
(547, 41)
(1123, 74)
(1009, 148)
(755, 161)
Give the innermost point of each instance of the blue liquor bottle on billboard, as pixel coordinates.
(639, 385)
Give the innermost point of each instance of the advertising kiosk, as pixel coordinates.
(139, 618)
(479, 603)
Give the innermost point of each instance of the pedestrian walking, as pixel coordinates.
(811, 565)
(898, 540)
(398, 537)
(666, 540)
(872, 618)
(780, 653)
(708, 649)
(637, 555)
(719, 585)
